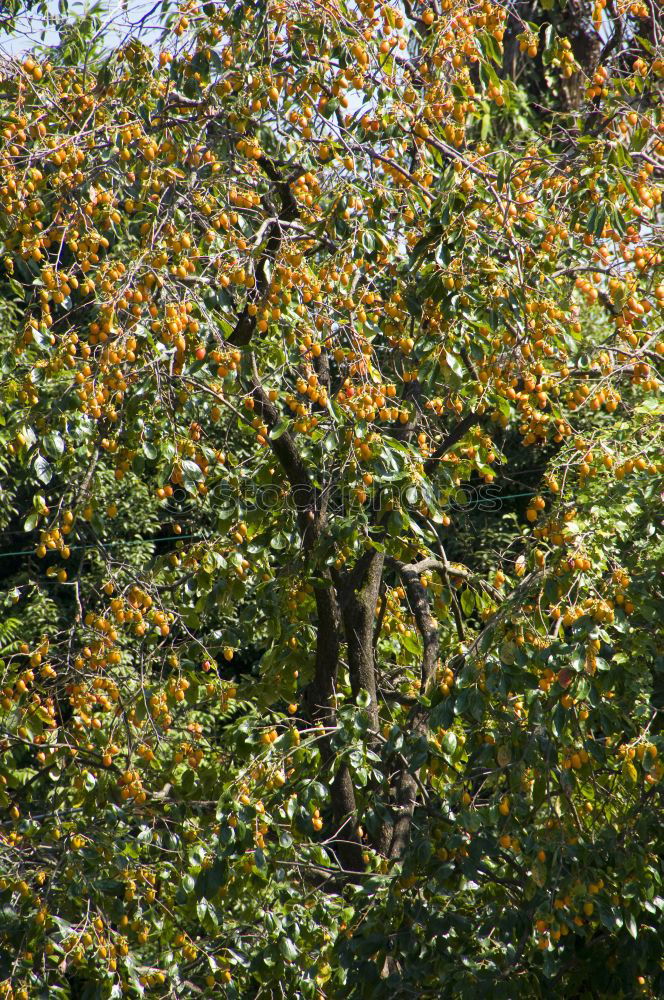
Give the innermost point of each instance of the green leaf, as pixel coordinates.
(191, 472)
(43, 470)
(467, 601)
(31, 521)
(368, 241)
(455, 364)
(279, 429)
(363, 698)
(491, 47)
(288, 949)
(599, 221)
(54, 444)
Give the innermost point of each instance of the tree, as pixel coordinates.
(299, 299)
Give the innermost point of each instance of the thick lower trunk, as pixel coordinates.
(320, 699)
(406, 797)
(359, 593)
(406, 792)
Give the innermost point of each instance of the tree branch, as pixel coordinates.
(455, 435)
(245, 326)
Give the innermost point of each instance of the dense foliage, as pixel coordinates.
(330, 518)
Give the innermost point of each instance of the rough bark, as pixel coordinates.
(320, 701)
(406, 793)
(359, 591)
(320, 694)
(245, 326)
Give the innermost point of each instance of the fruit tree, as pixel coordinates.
(330, 520)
